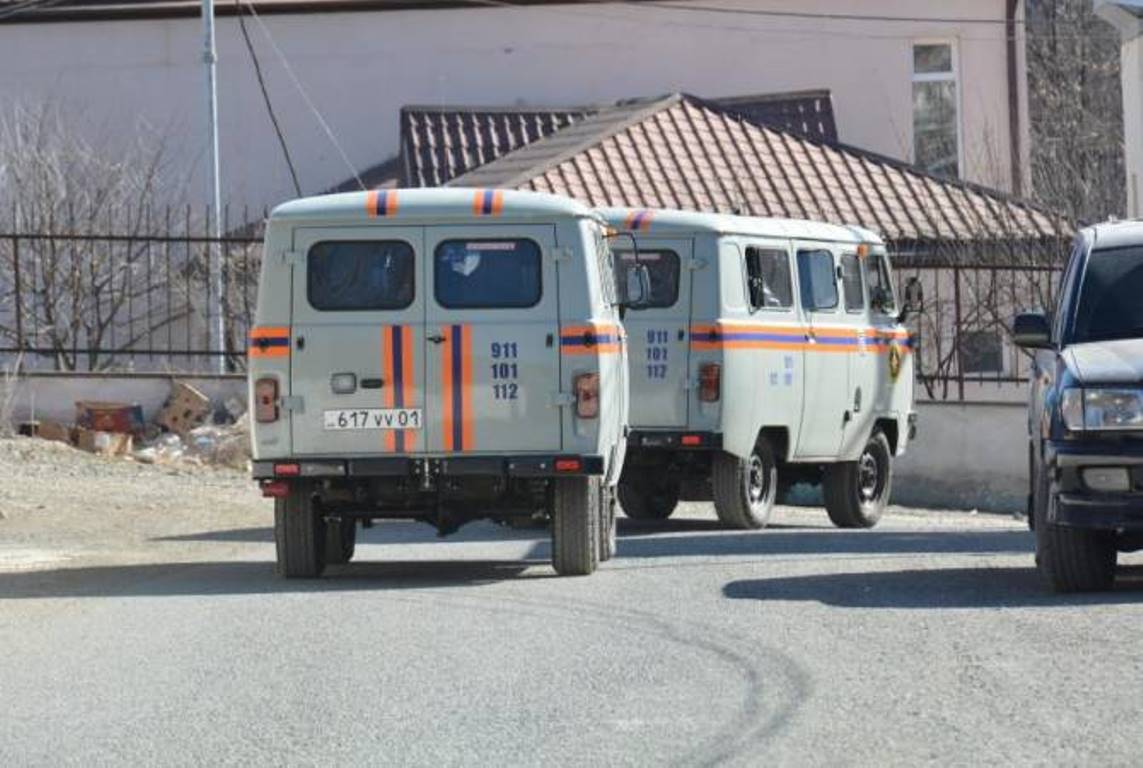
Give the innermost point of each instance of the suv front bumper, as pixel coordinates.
(1078, 505)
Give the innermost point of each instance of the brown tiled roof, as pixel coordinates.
(439, 143)
(682, 152)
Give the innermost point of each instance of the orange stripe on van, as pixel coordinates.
(269, 341)
(468, 437)
(388, 436)
(446, 390)
(408, 381)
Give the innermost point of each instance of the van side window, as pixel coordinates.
(358, 276)
(768, 278)
(487, 274)
(818, 280)
(851, 283)
(880, 286)
(662, 268)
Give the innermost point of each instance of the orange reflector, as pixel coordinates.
(863, 250)
(568, 465)
(692, 440)
(710, 382)
(275, 489)
(266, 400)
(287, 470)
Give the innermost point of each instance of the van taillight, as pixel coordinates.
(266, 400)
(710, 382)
(587, 395)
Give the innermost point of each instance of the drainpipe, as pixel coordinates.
(1010, 8)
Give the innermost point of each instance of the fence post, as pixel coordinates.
(959, 329)
(19, 292)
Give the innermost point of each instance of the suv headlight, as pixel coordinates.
(1102, 409)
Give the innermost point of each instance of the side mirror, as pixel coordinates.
(637, 286)
(914, 298)
(1030, 330)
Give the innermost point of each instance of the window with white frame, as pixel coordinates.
(936, 143)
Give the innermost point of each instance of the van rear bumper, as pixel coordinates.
(554, 465)
(691, 440)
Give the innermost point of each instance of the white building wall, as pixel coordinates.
(360, 68)
(1132, 76)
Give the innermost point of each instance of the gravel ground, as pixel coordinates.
(142, 625)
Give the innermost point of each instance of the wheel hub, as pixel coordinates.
(757, 480)
(868, 477)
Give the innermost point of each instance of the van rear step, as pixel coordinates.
(403, 466)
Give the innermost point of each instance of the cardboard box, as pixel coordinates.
(185, 409)
(109, 417)
(53, 430)
(103, 443)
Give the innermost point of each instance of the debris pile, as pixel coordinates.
(186, 429)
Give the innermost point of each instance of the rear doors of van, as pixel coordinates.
(425, 339)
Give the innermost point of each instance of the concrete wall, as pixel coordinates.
(360, 68)
(1132, 78)
(967, 455)
(53, 396)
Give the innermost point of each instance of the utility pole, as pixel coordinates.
(217, 329)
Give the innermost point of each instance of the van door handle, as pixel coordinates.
(435, 338)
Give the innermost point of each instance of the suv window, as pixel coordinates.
(881, 296)
(1109, 301)
(357, 276)
(487, 274)
(663, 269)
(818, 280)
(768, 278)
(851, 283)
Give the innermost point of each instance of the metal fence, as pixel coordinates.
(962, 336)
(140, 300)
(144, 302)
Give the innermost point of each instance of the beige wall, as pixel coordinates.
(360, 68)
(1132, 74)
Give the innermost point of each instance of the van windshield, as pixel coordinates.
(1109, 304)
(663, 269)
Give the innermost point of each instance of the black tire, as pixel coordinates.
(1070, 559)
(644, 498)
(340, 540)
(575, 525)
(607, 527)
(856, 492)
(298, 534)
(745, 489)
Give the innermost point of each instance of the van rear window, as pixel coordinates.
(345, 276)
(487, 274)
(663, 269)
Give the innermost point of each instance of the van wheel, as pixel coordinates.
(646, 499)
(575, 525)
(744, 489)
(340, 540)
(856, 492)
(298, 534)
(607, 533)
(1070, 559)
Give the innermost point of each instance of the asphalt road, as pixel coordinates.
(925, 640)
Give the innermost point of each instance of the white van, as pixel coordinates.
(769, 351)
(440, 355)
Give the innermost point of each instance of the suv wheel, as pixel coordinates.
(340, 540)
(745, 489)
(646, 498)
(1070, 559)
(856, 492)
(575, 525)
(298, 532)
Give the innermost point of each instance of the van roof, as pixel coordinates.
(1116, 234)
(671, 222)
(435, 205)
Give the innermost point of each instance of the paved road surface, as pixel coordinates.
(925, 640)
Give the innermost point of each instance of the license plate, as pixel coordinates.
(373, 418)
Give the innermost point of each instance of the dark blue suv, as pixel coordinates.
(1085, 415)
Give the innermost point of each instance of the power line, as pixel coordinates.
(305, 96)
(266, 97)
(826, 16)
